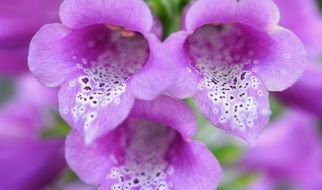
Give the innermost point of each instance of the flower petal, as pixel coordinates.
(261, 15)
(196, 168)
(286, 62)
(48, 58)
(87, 107)
(184, 77)
(245, 115)
(168, 111)
(133, 15)
(154, 78)
(231, 95)
(123, 159)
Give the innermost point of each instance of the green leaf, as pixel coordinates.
(169, 13)
(201, 120)
(276, 107)
(320, 4)
(227, 154)
(6, 89)
(61, 129)
(241, 182)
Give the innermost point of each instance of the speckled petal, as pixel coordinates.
(244, 116)
(231, 94)
(258, 14)
(134, 15)
(92, 111)
(123, 159)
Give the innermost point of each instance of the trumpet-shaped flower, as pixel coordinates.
(151, 149)
(103, 55)
(228, 56)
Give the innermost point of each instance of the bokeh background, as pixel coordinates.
(288, 155)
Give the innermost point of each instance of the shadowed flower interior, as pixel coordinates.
(225, 55)
(107, 57)
(138, 154)
(146, 162)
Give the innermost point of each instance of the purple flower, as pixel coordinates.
(307, 24)
(289, 151)
(27, 161)
(151, 149)
(228, 56)
(19, 21)
(103, 55)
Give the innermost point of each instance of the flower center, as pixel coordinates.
(224, 56)
(144, 165)
(107, 62)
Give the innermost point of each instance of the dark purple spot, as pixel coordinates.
(85, 80)
(87, 88)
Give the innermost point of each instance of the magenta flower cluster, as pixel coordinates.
(121, 86)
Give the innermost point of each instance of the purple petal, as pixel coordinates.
(153, 79)
(133, 15)
(49, 58)
(94, 109)
(286, 61)
(184, 78)
(123, 159)
(261, 15)
(231, 95)
(168, 111)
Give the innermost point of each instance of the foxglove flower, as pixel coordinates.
(103, 55)
(19, 21)
(289, 151)
(305, 20)
(28, 161)
(228, 56)
(151, 149)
